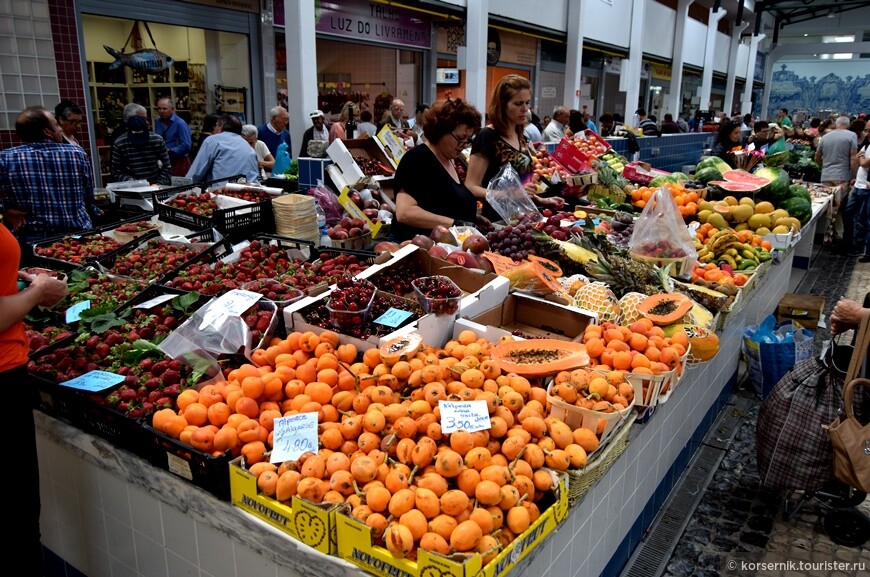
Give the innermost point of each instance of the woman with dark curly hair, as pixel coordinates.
(429, 190)
(727, 139)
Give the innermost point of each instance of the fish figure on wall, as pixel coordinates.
(149, 60)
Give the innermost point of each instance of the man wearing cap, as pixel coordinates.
(140, 154)
(316, 132)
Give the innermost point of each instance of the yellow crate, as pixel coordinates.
(307, 522)
(356, 544)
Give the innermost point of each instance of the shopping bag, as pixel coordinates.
(772, 349)
(851, 442)
(793, 445)
(793, 448)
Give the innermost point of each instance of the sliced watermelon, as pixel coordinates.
(744, 177)
(734, 186)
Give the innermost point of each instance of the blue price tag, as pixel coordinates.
(293, 436)
(393, 317)
(95, 381)
(74, 313)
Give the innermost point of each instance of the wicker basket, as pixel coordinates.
(577, 417)
(581, 480)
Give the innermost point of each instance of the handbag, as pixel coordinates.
(851, 439)
(793, 446)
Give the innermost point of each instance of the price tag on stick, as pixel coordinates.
(467, 416)
(94, 381)
(293, 436)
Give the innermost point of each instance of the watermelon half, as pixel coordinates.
(745, 178)
(731, 186)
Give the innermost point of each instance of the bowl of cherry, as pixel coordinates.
(437, 294)
(350, 302)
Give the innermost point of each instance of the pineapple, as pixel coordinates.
(598, 298)
(625, 275)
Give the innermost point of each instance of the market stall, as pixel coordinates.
(545, 407)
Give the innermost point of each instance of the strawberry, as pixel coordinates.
(170, 377)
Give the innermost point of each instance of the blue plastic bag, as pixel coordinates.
(772, 349)
(282, 159)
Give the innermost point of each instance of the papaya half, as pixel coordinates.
(665, 308)
(400, 348)
(704, 343)
(539, 357)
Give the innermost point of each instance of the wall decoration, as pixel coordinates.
(833, 93)
(144, 60)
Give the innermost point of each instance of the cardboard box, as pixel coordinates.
(803, 309)
(310, 523)
(356, 212)
(391, 144)
(529, 315)
(348, 171)
(356, 544)
(482, 291)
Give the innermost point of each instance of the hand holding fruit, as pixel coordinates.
(52, 290)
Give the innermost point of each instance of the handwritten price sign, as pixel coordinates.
(293, 436)
(468, 416)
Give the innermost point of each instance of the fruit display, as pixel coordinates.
(248, 193)
(274, 291)
(371, 167)
(687, 199)
(350, 302)
(137, 227)
(263, 260)
(727, 246)
(746, 214)
(348, 228)
(547, 167)
(78, 250)
(203, 203)
(383, 450)
(152, 259)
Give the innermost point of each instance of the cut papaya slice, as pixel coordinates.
(665, 308)
(539, 357)
(400, 348)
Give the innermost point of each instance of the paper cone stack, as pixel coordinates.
(295, 217)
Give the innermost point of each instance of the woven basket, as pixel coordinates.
(581, 480)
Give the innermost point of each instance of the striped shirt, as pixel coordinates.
(52, 182)
(149, 161)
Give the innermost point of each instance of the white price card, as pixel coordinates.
(293, 436)
(467, 416)
(94, 381)
(74, 313)
(151, 303)
(231, 304)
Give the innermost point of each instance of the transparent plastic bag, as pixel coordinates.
(327, 200)
(660, 232)
(219, 327)
(507, 196)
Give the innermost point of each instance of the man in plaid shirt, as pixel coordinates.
(46, 185)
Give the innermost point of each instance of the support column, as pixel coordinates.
(739, 27)
(574, 56)
(771, 59)
(475, 54)
(629, 79)
(746, 107)
(675, 100)
(707, 75)
(267, 53)
(301, 67)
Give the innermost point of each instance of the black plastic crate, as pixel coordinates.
(202, 469)
(208, 257)
(235, 222)
(219, 245)
(366, 256)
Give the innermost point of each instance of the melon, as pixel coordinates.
(777, 190)
(712, 162)
(744, 177)
(628, 306)
(705, 175)
(731, 186)
(598, 298)
(798, 207)
(704, 343)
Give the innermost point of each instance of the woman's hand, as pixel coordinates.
(53, 290)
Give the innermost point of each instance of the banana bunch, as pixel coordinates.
(725, 247)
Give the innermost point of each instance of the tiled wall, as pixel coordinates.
(39, 60)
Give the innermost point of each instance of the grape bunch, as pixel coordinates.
(514, 241)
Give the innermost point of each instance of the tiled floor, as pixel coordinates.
(736, 516)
